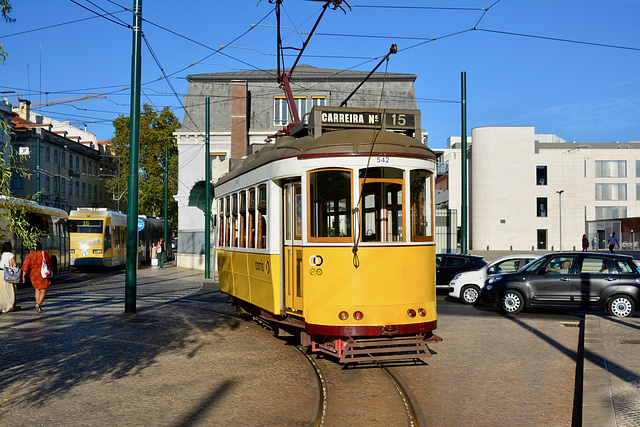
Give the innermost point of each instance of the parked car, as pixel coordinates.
(174, 244)
(466, 286)
(448, 265)
(577, 280)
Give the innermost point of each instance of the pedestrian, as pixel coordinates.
(585, 243)
(162, 252)
(595, 243)
(613, 241)
(32, 266)
(8, 290)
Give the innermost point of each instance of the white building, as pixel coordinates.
(536, 191)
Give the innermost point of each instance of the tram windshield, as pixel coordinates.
(330, 194)
(85, 226)
(382, 204)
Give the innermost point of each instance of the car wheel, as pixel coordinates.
(469, 294)
(512, 302)
(621, 306)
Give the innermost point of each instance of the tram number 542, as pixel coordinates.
(382, 160)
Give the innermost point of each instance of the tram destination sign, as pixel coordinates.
(352, 117)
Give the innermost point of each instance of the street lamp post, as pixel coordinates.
(560, 213)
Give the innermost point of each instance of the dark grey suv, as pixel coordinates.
(578, 280)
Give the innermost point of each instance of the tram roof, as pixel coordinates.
(351, 142)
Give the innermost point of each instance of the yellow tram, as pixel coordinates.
(328, 234)
(98, 237)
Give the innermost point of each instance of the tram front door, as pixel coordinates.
(293, 288)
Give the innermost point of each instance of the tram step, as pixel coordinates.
(396, 348)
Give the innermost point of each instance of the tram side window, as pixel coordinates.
(234, 221)
(221, 222)
(243, 218)
(330, 204)
(262, 217)
(227, 221)
(382, 204)
(421, 226)
(251, 219)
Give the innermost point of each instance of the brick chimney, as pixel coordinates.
(239, 122)
(25, 109)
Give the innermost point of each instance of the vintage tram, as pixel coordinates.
(328, 234)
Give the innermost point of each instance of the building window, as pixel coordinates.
(55, 156)
(77, 164)
(611, 212)
(318, 101)
(77, 188)
(541, 204)
(90, 193)
(541, 175)
(611, 168)
(281, 111)
(611, 191)
(84, 190)
(637, 168)
(70, 187)
(17, 182)
(638, 191)
(70, 161)
(63, 185)
(542, 239)
(47, 154)
(47, 184)
(84, 166)
(56, 184)
(64, 159)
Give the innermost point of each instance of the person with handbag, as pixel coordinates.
(37, 265)
(8, 284)
(162, 253)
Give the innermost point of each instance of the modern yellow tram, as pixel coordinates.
(328, 234)
(98, 237)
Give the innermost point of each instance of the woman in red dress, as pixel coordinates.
(31, 267)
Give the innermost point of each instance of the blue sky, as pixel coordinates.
(521, 68)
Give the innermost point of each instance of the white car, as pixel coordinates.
(466, 286)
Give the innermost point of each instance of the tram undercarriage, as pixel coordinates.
(345, 349)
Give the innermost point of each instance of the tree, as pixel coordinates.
(156, 132)
(5, 8)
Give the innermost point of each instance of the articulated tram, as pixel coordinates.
(328, 235)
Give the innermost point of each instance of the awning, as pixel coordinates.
(197, 194)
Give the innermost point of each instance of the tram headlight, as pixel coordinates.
(411, 312)
(422, 312)
(358, 315)
(343, 315)
(72, 251)
(97, 251)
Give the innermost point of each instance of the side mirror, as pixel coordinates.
(491, 270)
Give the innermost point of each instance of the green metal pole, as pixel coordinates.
(207, 199)
(134, 149)
(463, 217)
(166, 194)
(38, 187)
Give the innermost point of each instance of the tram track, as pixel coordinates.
(331, 406)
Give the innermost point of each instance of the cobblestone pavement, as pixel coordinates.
(184, 359)
(177, 361)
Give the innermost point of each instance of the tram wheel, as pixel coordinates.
(511, 302)
(469, 294)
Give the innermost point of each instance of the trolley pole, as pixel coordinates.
(134, 149)
(207, 201)
(463, 216)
